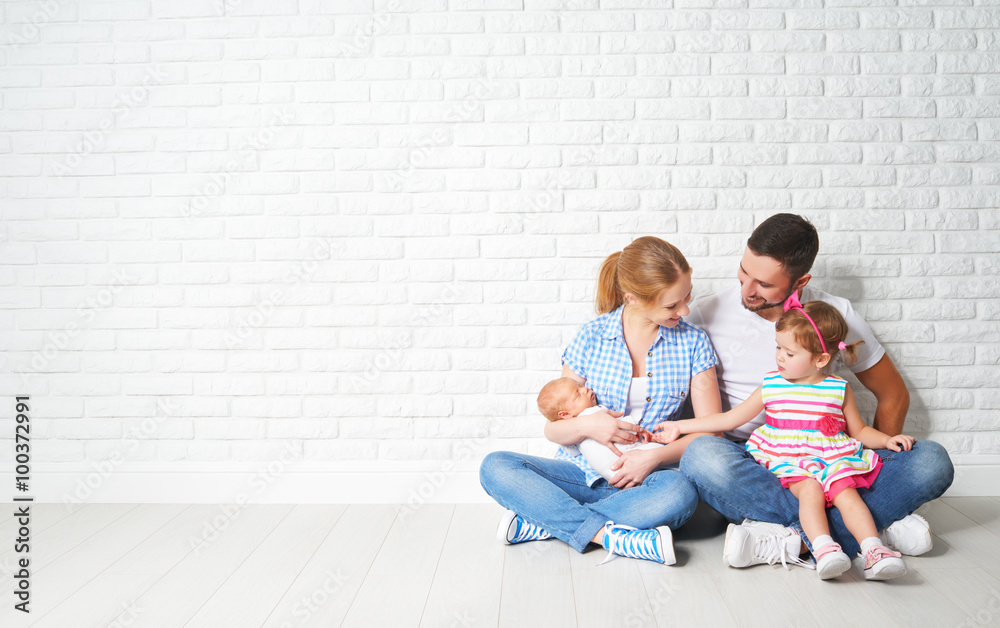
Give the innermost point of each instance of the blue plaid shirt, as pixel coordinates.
(598, 354)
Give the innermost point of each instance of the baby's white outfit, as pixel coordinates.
(601, 457)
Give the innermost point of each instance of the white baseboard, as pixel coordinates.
(310, 483)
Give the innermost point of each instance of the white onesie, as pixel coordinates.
(601, 457)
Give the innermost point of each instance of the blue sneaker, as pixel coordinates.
(656, 544)
(514, 529)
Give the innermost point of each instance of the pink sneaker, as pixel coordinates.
(831, 561)
(881, 563)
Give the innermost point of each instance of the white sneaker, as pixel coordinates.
(831, 561)
(911, 535)
(881, 563)
(756, 543)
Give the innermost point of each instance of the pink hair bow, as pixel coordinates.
(792, 302)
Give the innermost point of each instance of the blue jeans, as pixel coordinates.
(730, 481)
(553, 494)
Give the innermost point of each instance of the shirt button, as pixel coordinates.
(682, 394)
(650, 354)
(649, 374)
(648, 399)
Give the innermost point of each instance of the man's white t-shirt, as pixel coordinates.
(745, 343)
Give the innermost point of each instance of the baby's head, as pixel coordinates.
(564, 398)
(798, 321)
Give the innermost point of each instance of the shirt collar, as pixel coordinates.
(613, 328)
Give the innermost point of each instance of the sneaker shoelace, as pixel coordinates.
(528, 532)
(771, 549)
(621, 540)
(877, 553)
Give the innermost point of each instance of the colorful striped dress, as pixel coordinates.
(804, 436)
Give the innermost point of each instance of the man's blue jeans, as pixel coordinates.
(730, 481)
(553, 494)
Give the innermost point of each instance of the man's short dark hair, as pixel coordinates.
(788, 238)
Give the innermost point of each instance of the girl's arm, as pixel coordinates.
(719, 422)
(869, 436)
(601, 426)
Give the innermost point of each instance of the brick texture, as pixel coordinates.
(366, 229)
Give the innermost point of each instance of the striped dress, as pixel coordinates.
(804, 436)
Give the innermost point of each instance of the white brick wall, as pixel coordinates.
(362, 231)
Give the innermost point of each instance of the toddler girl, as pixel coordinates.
(803, 441)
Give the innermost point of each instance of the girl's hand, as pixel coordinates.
(900, 443)
(666, 432)
(605, 428)
(633, 467)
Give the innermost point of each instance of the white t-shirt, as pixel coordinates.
(745, 343)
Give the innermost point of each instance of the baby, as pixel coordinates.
(565, 398)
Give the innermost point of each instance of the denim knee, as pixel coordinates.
(705, 459)
(495, 466)
(934, 470)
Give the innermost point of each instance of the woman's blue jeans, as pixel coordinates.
(553, 494)
(730, 481)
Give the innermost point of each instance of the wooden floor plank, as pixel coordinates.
(405, 565)
(257, 586)
(605, 594)
(985, 512)
(681, 598)
(538, 600)
(192, 581)
(972, 590)
(76, 567)
(962, 533)
(324, 590)
(469, 577)
(98, 603)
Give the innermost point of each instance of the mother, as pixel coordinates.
(640, 358)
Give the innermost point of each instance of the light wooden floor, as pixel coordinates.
(376, 565)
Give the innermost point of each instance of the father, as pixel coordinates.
(740, 323)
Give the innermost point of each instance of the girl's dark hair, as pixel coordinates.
(646, 267)
(831, 324)
(788, 238)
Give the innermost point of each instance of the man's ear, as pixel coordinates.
(801, 282)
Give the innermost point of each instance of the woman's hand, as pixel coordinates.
(605, 428)
(633, 467)
(902, 442)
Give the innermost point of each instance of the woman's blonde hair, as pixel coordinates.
(644, 268)
(830, 323)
